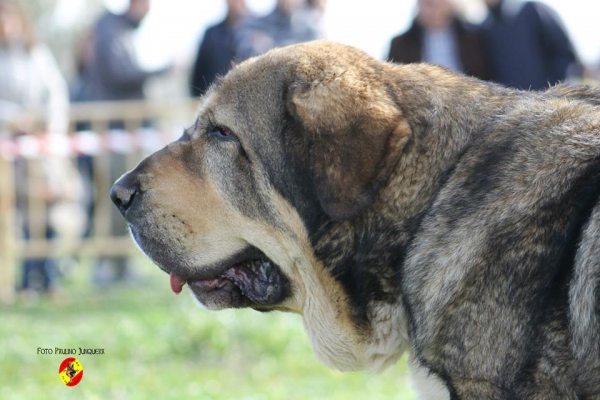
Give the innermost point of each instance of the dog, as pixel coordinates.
(395, 208)
(71, 371)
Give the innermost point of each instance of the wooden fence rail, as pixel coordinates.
(142, 127)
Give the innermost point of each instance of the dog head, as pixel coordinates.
(249, 206)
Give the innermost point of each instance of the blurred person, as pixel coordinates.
(216, 52)
(30, 82)
(317, 6)
(527, 45)
(81, 90)
(288, 23)
(31, 79)
(315, 14)
(81, 87)
(439, 36)
(117, 74)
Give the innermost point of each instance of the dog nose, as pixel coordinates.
(123, 193)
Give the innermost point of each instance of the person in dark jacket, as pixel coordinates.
(117, 74)
(439, 36)
(216, 52)
(290, 22)
(527, 44)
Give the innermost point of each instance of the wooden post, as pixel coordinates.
(101, 162)
(7, 232)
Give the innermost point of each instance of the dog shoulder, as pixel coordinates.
(497, 247)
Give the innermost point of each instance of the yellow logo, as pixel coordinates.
(70, 371)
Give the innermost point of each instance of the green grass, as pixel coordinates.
(161, 346)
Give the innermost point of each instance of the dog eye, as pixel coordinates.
(220, 133)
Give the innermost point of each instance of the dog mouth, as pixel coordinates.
(253, 281)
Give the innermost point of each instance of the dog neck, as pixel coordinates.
(445, 114)
(366, 254)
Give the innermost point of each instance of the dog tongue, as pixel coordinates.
(177, 283)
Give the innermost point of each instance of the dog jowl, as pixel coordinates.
(394, 207)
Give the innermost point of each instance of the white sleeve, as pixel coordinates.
(57, 98)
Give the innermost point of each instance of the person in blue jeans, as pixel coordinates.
(30, 79)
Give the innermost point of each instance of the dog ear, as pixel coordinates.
(355, 135)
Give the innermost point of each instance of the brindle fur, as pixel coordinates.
(408, 206)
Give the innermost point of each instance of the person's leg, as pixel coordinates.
(86, 170)
(28, 268)
(48, 267)
(31, 267)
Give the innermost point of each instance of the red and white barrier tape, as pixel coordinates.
(85, 143)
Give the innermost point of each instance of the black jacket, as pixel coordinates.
(407, 48)
(527, 46)
(214, 58)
